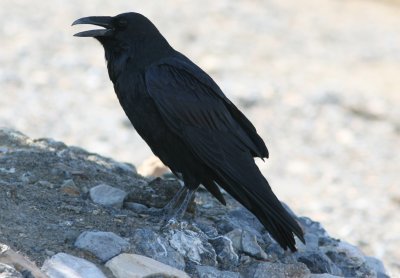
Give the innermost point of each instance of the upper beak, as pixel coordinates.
(103, 21)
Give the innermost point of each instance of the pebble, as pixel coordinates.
(244, 241)
(63, 265)
(133, 265)
(277, 270)
(212, 272)
(104, 245)
(106, 195)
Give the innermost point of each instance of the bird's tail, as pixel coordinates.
(252, 190)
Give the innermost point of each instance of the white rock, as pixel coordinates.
(63, 265)
(137, 266)
(106, 195)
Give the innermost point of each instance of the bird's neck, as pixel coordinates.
(135, 56)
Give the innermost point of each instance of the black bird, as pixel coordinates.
(187, 121)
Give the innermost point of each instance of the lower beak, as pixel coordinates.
(103, 21)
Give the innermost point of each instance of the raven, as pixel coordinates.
(187, 121)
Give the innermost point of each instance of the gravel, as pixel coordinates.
(319, 81)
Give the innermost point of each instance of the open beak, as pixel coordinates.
(103, 21)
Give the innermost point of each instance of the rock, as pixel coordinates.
(318, 262)
(212, 272)
(106, 195)
(7, 271)
(147, 243)
(69, 187)
(104, 245)
(376, 265)
(133, 265)
(244, 241)
(63, 265)
(226, 256)
(250, 246)
(193, 246)
(13, 259)
(136, 207)
(277, 270)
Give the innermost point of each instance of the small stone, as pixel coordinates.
(277, 270)
(193, 246)
(226, 256)
(148, 243)
(136, 207)
(106, 195)
(212, 272)
(104, 245)
(69, 187)
(236, 238)
(250, 246)
(63, 265)
(133, 265)
(244, 241)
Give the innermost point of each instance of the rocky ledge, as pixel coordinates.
(65, 212)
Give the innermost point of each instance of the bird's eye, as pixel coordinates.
(122, 23)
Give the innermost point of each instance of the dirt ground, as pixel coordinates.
(319, 79)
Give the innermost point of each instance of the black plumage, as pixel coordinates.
(187, 120)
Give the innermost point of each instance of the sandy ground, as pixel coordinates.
(319, 79)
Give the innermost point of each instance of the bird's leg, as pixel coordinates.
(178, 210)
(172, 204)
(181, 209)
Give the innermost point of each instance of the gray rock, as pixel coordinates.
(7, 271)
(104, 245)
(376, 265)
(318, 262)
(212, 272)
(250, 246)
(148, 243)
(277, 270)
(106, 195)
(193, 246)
(244, 241)
(133, 265)
(63, 265)
(136, 207)
(226, 256)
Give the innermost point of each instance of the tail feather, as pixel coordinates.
(253, 191)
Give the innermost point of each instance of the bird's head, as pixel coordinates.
(130, 34)
(123, 27)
